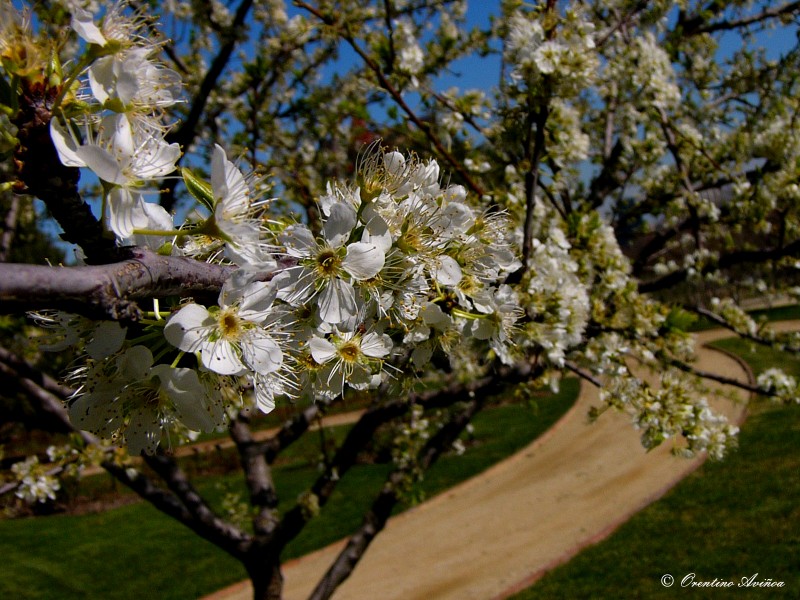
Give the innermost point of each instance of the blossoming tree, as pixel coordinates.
(631, 166)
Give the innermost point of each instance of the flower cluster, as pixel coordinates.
(36, 484)
(537, 47)
(402, 273)
(119, 134)
(670, 411)
(400, 260)
(778, 384)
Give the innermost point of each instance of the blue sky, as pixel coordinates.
(483, 72)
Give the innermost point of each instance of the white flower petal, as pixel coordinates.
(155, 158)
(125, 212)
(446, 270)
(321, 349)
(394, 162)
(96, 412)
(483, 329)
(376, 345)
(101, 78)
(340, 224)
(143, 432)
(195, 409)
(376, 230)
(107, 339)
(229, 186)
(125, 82)
(66, 146)
(363, 260)
(266, 388)
(135, 363)
(221, 357)
(256, 300)
(83, 24)
(188, 328)
(337, 302)
(295, 285)
(261, 353)
(103, 163)
(299, 241)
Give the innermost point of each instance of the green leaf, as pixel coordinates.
(679, 320)
(198, 188)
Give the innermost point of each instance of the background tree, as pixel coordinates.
(633, 166)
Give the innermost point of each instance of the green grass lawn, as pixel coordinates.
(728, 520)
(136, 552)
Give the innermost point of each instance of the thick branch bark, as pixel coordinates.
(203, 520)
(257, 473)
(533, 154)
(106, 291)
(41, 174)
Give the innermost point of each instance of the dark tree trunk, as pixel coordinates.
(264, 568)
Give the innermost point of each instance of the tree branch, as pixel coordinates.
(258, 476)
(290, 432)
(187, 132)
(202, 520)
(698, 25)
(41, 174)
(381, 509)
(107, 291)
(397, 96)
(294, 520)
(583, 374)
(726, 261)
(686, 368)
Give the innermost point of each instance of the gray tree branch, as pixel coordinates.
(381, 509)
(183, 504)
(106, 291)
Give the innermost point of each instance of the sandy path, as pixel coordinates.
(498, 532)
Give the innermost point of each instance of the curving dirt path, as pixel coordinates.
(500, 531)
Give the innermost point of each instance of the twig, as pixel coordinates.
(583, 374)
(397, 96)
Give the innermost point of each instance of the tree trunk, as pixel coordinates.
(265, 573)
